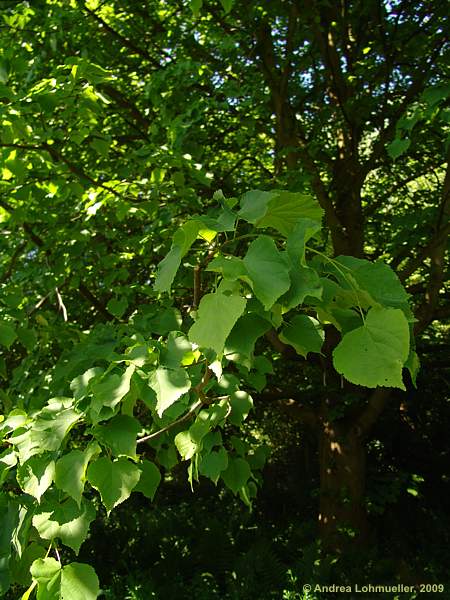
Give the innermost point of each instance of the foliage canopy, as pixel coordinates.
(181, 185)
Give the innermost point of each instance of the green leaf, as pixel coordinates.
(167, 457)
(287, 208)
(44, 569)
(374, 354)
(7, 334)
(80, 385)
(66, 521)
(149, 480)
(237, 474)
(53, 423)
(221, 310)
(110, 391)
(165, 321)
(378, 279)
(9, 522)
(167, 269)
(169, 385)
(258, 457)
(8, 460)
(304, 282)
(79, 582)
(213, 464)
(303, 333)
(196, 6)
(413, 366)
(176, 348)
(297, 239)
(398, 147)
(20, 568)
(267, 270)
(242, 339)
(231, 267)
(120, 435)
(27, 337)
(182, 241)
(117, 306)
(278, 209)
(241, 404)
(434, 94)
(49, 429)
(227, 5)
(70, 471)
(254, 205)
(113, 480)
(36, 475)
(186, 446)
(75, 581)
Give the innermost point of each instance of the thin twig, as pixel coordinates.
(40, 302)
(182, 419)
(61, 304)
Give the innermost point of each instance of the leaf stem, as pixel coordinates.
(338, 268)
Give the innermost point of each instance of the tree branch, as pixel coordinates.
(40, 244)
(123, 40)
(375, 406)
(170, 426)
(386, 134)
(95, 302)
(12, 263)
(425, 312)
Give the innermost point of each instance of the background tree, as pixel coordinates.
(121, 119)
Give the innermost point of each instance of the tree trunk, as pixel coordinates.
(342, 515)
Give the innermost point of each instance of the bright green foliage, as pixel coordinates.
(217, 315)
(112, 144)
(241, 342)
(35, 476)
(237, 474)
(169, 385)
(267, 269)
(276, 282)
(279, 210)
(214, 464)
(374, 354)
(70, 471)
(376, 279)
(68, 522)
(114, 480)
(119, 435)
(149, 480)
(75, 581)
(7, 334)
(304, 334)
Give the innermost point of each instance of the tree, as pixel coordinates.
(119, 120)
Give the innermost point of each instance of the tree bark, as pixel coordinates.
(342, 514)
